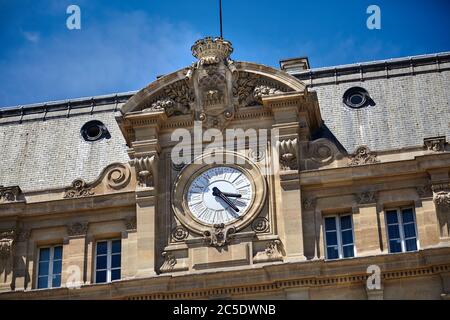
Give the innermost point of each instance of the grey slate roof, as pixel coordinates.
(41, 146)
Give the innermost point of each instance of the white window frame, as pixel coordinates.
(337, 218)
(50, 266)
(401, 231)
(108, 260)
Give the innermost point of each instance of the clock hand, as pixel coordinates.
(218, 193)
(232, 195)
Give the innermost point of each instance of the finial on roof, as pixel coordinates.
(209, 50)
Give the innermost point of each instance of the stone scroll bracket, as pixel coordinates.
(146, 169)
(289, 155)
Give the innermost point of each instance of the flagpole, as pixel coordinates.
(221, 30)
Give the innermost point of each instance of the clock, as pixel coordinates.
(207, 194)
(219, 195)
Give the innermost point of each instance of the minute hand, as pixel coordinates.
(218, 193)
(232, 195)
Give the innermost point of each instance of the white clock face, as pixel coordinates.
(220, 195)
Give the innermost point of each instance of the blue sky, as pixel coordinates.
(124, 45)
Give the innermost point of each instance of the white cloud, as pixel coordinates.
(33, 37)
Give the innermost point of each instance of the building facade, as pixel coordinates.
(233, 180)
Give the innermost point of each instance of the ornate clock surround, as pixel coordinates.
(204, 163)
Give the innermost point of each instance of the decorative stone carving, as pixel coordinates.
(178, 167)
(179, 234)
(322, 151)
(366, 197)
(79, 189)
(363, 156)
(435, 144)
(271, 253)
(264, 91)
(260, 225)
(309, 204)
(77, 229)
(424, 191)
(23, 235)
(219, 236)
(288, 154)
(442, 195)
(169, 262)
(131, 223)
(257, 155)
(6, 243)
(145, 170)
(119, 177)
(9, 194)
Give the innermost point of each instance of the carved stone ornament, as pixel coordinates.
(271, 253)
(424, 191)
(131, 223)
(77, 229)
(309, 204)
(322, 151)
(179, 234)
(219, 236)
(262, 91)
(366, 197)
(363, 156)
(145, 170)
(79, 189)
(288, 154)
(260, 225)
(119, 177)
(435, 144)
(169, 262)
(441, 195)
(23, 235)
(9, 194)
(6, 243)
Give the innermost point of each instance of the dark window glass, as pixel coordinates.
(346, 222)
(115, 261)
(331, 238)
(115, 275)
(102, 247)
(411, 245)
(116, 246)
(100, 277)
(391, 217)
(102, 262)
(42, 282)
(330, 224)
(332, 253)
(56, 281)
(57, 266)
(44, 254)
(410, 230)
(408, 216)
(395, 246)
(348, 251)
(43, 268)
(57, 255)
(393, 232)
(347, 237)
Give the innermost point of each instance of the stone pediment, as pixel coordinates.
(214, 88)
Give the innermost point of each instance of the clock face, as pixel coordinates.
(220, 195)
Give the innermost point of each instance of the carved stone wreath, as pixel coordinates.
(179, 234)
(363, 156)
(260, 225)
(79, 189)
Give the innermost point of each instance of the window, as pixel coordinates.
(401, 229)
(94, 131)
(357, 98)
(339, 237)
(49, 267)
(108, 261)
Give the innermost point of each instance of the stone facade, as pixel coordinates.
(325, 160)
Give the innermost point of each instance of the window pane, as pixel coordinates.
(348, 251)
(115, 275)
(44, 254)
(42, 282)
(101, 262)
(57, 266)
(347, 237)
(411, 245)
(331, 238)
(102, 247)
(346, 222)
(395, 246)
(56, 281)
(43, 268)
(57, 254)
(332, 253)
(410, 230)
(408, 216)
(115, 261)
(330, 224)
(393, 232)
(391, 217)
(116, 246)
(100, 277)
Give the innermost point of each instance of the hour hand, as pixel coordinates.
(218, 193)
(232, 195)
